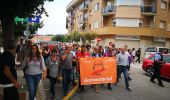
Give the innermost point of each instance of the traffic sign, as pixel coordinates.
(34, 19)
(17, 19)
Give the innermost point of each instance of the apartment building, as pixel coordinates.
(137, 23)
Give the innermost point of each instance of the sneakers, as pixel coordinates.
(128, 89)
(152, 81)
(129, 78)
(110, 88)
(161, 85)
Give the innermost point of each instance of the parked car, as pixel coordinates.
(165, 68)
(153, 50)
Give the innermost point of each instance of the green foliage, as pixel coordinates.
(67, 38)
(9, 9)
(75, 36)
(22, 8)
(61, 38)
(89, 36)
(20, 28)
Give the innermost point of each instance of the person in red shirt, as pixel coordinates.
(81, 54)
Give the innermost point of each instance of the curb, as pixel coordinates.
(70, 94)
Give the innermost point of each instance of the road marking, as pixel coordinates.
(70, 94)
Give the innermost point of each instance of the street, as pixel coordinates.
(142, 89)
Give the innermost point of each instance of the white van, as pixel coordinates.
(154, 50)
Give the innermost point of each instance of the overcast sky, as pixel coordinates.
(56, 22)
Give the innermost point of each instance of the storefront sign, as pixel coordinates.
(159, 39)
(123, 37)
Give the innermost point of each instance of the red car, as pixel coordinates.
(165, 68)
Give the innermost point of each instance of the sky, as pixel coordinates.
(56, 22)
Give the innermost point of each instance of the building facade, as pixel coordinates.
(136, 23)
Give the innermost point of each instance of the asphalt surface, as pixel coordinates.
(142, 89)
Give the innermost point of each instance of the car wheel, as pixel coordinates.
(149, 71)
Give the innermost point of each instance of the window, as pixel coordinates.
(125, 22)
(162, 24)
(90, 27)
(140, 23)
(96, 7)
(166, 58)
(152, 58)
(114, 22)
(128, 2)
(96, 24)
(163, 5)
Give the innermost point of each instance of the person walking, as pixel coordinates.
(53, 67)
(138, 54)
(96, 54)
(25, 49)
(122, 61)
(8, 74)
(130, 58)
(109, 53)
(35, 66)
(67, 69)
(133, 55)
(158, 61)
(81, 54)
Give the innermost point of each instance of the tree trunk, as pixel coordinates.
(8, 28)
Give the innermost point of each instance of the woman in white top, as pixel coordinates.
(35, 65)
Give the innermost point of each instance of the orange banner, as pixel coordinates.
(98, 70)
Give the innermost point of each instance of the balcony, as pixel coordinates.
(83, 7)
(109, 10)
(83, 20)
(148, 10)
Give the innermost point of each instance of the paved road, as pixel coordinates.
(142, 89)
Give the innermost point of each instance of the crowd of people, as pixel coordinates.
(47, 61)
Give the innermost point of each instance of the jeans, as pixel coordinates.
(32, 83)
(52, 85)
(125, 73)
(67, 75)
(10, 93)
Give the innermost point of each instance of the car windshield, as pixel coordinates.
(152, 58)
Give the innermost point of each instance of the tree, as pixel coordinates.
(9, 9)
(76, 36)
(67, 38)
(20, 28)
(58, 38)
(89, 36)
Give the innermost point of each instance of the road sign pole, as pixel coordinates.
(27, 29)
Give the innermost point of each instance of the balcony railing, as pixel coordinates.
(83, 7)
(148, 9)
(109, 10)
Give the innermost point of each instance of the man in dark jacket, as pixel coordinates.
(158, 61)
